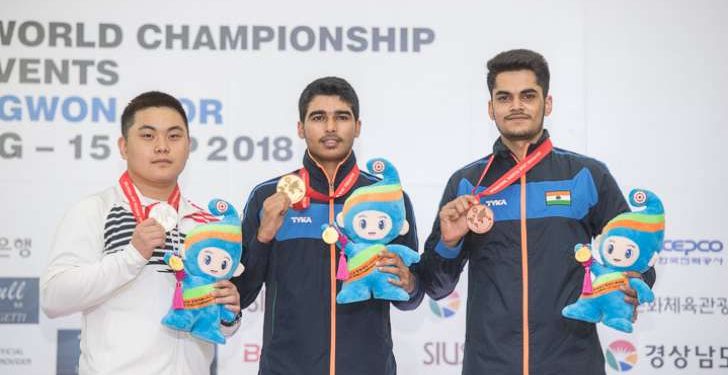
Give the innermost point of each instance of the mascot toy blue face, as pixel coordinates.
(373, 216)
(211, 253)
(629, 242)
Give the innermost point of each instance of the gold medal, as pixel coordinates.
(165, 215)
(330, 235)
(480, 218)
(293, 186)
(175, 263)
(583, 254)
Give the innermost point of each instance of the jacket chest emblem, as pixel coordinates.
(558, 198)
(301, 220)
(496, 202)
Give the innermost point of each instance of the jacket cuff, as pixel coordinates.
(229, 330)
(415, 298)
(448, 252)
(134, 257)
(255, 244)
(650, 276)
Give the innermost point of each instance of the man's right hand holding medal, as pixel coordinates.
(453, 219)
(290, 190)
(274, 211)
(148, 235)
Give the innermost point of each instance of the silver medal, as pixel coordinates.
(165, 215)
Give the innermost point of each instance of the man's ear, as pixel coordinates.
(357, 128)
(122, 146)
(548, 105)
(405, 228)
(299, 129)
(340, 220)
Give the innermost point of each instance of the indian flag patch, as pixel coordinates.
(558, 198)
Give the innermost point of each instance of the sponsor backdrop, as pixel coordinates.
(636, 85)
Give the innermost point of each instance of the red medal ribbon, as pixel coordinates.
(346, 184)
(521, 168)
(140, 213)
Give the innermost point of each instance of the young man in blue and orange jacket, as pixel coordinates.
(522, 271)
(305, 331)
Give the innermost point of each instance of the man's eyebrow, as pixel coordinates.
(336, 113)
(176, 127)
(154, 128)
(317, 112)
(147, 127)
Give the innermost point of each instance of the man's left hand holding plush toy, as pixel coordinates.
(226, 294)
(392, 263)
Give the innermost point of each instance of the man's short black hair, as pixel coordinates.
(329, 86)
(147, 100)
(519, 59)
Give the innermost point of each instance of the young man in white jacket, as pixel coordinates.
(107, 258)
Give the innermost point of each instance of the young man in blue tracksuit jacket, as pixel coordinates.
(522, 271)
(305, 332)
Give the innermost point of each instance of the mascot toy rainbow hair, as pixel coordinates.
(629, 242)
(372, 216)
(211, 253)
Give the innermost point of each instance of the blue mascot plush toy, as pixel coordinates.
(211, 253)
(629, 242)
(372, 216)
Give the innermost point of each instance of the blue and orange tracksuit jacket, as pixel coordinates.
(305, 332)
(522, 272)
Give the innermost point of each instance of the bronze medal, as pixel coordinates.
(480, 218)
